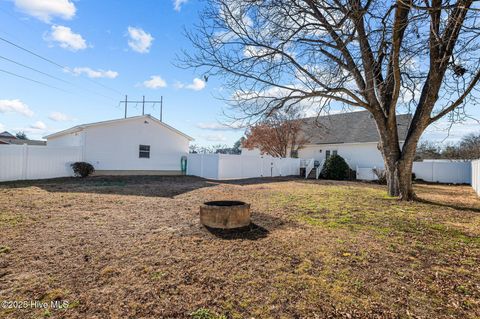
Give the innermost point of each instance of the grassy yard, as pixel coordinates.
(133, 248)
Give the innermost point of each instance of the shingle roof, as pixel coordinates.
(353, 127)
(17, 141)
(6, 134)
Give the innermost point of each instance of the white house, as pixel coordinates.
(133, 145)
(353, 136)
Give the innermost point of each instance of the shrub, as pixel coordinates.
(82, 169)
(336, 168)
(381, 175)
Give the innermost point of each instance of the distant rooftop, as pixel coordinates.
(353, 127)
(7, 138)
(6, 134)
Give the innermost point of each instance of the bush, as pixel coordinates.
(381, 175)
(336, 168)
(82, 169)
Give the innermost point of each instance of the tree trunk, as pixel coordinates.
(399, 178)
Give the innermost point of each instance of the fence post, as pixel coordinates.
(219, 166)
(262, 160)
(433, 171)
(24, 161)
(242, 164)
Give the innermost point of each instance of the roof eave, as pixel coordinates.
(64, 132)
(83, 126)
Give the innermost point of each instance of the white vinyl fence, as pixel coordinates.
(455, 172)
(19, 162)
(452, 172)
(366, 174)
(476, 176)
(224, 167)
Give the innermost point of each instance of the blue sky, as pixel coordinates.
(111, 48)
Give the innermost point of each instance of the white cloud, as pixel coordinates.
(99, 73)
(66, 38)
(196, 85)
(45, 10)
(177, 4)
(446, 132)
(214, 137)
(139, 40)
(38, 125)
(2, 127)
(15, 106)
(59, 117)
(155, 82)
(218, 126)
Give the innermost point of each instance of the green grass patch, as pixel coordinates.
(157, 275)
(8, 219)
(203, 313)
(367, 209)
(5, 250)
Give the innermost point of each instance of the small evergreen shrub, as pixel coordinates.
(82, 169)
(336, 168)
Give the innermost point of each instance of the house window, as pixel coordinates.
(144, 151)
(329, 152)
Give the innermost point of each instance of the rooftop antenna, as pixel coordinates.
(143, 101)
(126, 104)
(161, 108)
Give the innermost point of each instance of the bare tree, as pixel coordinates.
(21, 135)
(428, 150)
(279, 135)
(469, 146)
(387, 57)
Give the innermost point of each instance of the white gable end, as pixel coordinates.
(115, 145)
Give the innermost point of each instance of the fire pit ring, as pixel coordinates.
(225, 214)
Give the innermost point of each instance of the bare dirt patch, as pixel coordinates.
(133, 247)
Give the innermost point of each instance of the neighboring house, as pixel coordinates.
(133, 145)
(7, 139)
(353, 136)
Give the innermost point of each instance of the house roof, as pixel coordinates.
(7, 138)
(6, 134)
(81, 127)
(353, 127)
(17, 141)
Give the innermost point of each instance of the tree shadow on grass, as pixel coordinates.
(136, 185)
(453, 206)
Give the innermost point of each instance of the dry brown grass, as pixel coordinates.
(132, 247)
